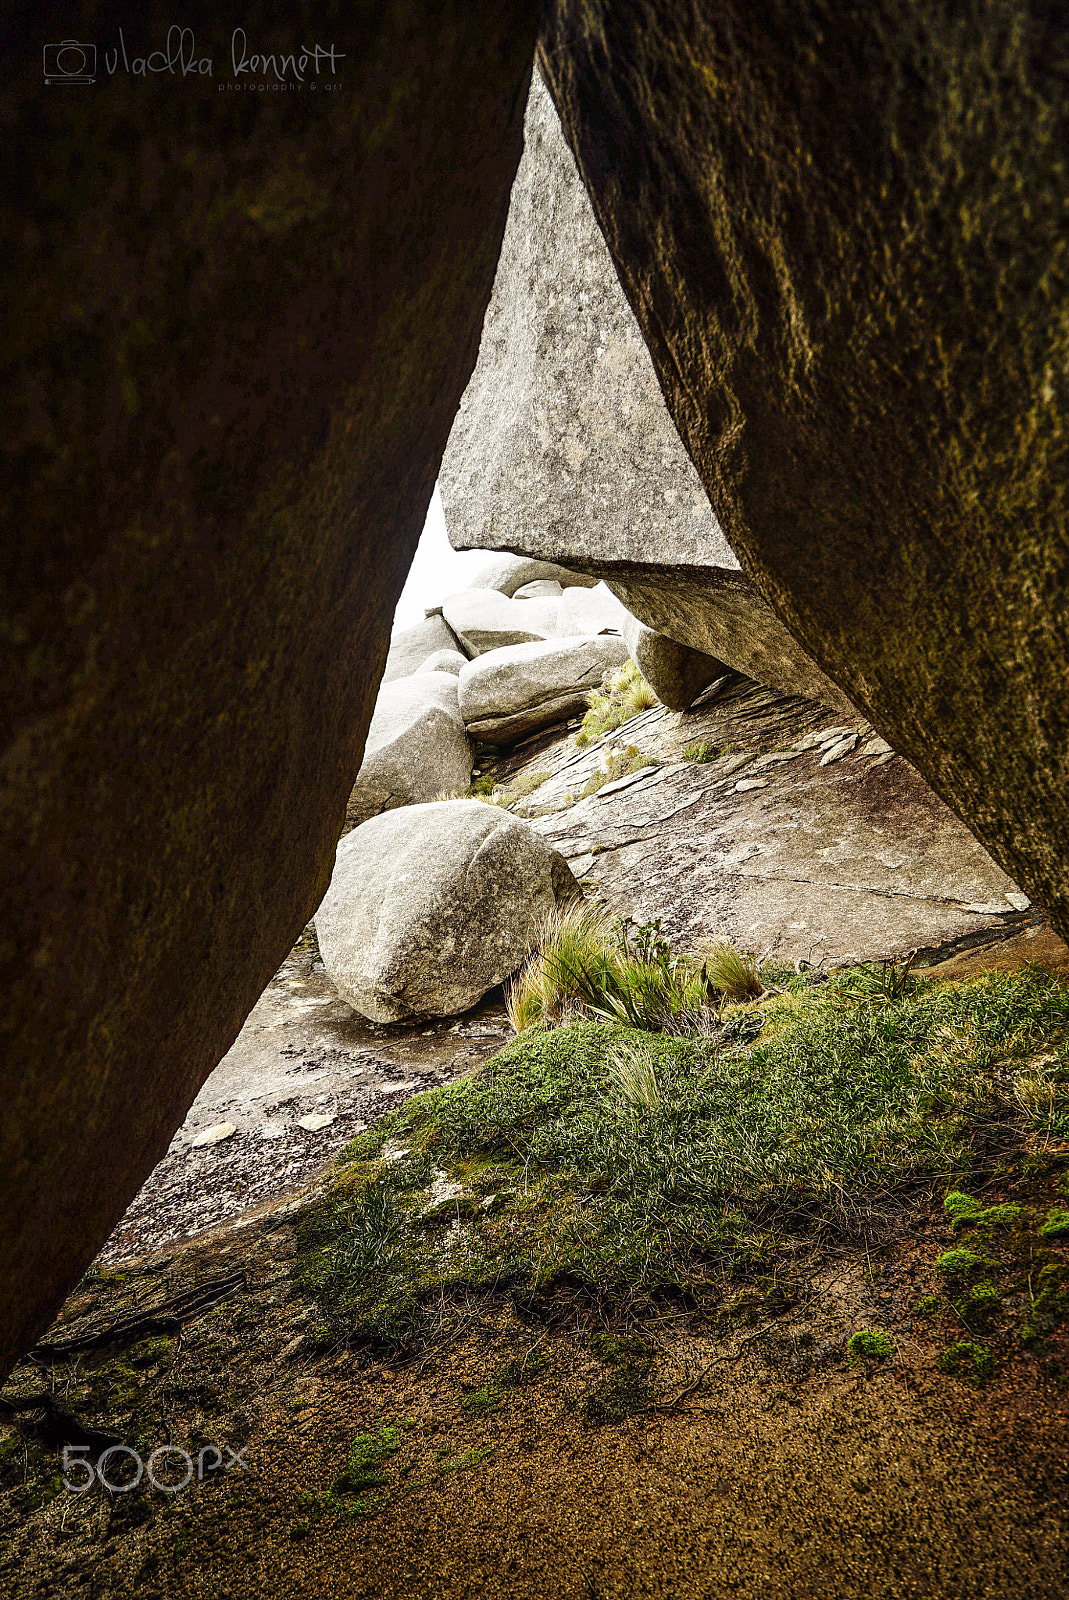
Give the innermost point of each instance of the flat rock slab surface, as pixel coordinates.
(302, 1052)
(853, 860)
(770, 845)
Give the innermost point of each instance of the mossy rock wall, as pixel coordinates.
(239, 325)
(842, 231)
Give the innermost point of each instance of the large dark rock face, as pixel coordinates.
(843, 233)
(240, 322)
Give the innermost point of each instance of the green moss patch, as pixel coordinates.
(360, 1489)
(625, 1389)
(964, 1211)
(1056, 1224)
(843, 1097)
(871, 1342)
(965, 1359)
(959, 1263)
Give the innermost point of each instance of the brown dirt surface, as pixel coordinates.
(542, 1448)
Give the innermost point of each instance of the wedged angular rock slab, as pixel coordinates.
(854, 291)
(721, 614)
(563, 447)
(510, 693)
(765, 842)
(416, 747)
(240, 328)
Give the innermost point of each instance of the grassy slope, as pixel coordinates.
(540, 1170)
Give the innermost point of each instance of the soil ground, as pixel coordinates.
(533, 1446)
(543, 1445)
(769, 1463)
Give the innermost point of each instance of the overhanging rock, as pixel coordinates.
(563, 448)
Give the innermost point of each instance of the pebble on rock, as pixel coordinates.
(215, 1134)
(315, 1121)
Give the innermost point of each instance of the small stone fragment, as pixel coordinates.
(314, 1121)
(215, 1134)
(751, 783)
(837, 751)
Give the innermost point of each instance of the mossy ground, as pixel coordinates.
(808, 1111)
(528, 1335)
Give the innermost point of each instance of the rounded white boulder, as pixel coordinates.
(432, 905)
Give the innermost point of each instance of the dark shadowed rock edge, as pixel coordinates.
(843, 238)
(240, 326)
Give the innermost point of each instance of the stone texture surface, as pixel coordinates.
(413, 647)
(301, 1052)
(510, 693)
(416, 747)
(863, 344)
(768, 847)
(451, 661)
(585, 611)
(563, 443)
(721, 614)
(483, 619)
(676, 673)
(240, 328)
(563, 446)
(541, 589)
(431, 906)
(507, 573)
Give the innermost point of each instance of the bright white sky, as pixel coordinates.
(437, 569)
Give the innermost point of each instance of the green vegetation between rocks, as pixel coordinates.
(871, 1342)
(623, 694)
(554, 1167)
(702, 751)
(486, 788)
(584, 967)
(618, 764)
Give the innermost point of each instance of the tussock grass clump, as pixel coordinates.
(698, 1154)
(583, 966)
(634, 1073)
(623, 694)
(620, 764)
(733, 974)
(491, 793)
(702, 751)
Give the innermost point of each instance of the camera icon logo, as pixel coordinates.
(70, 62)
